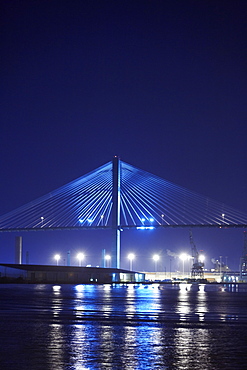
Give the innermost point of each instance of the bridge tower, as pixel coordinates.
(116, 194)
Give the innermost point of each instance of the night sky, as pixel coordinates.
(162, 84)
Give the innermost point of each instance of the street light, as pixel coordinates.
(57, 258)
(220, 266)
(131, 257)
(156, 258)
(201, 258)
(183, 257)
(42, 221)
(80, 257)
(107, 258)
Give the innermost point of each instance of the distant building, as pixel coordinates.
(46, 274)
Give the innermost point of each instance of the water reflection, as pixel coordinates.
(56, 306)
(55, 346)
(122, 327)
(130, 306)
(201, 306)
(183, 306)
(192, 348)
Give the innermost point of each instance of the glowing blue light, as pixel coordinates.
(90, 220)
(142, 219)
(151, 220)
(145, 227)
(80, 220)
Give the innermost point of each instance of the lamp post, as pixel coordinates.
(131, 257)
(183, 257)
(80, 257)
(220, 266)
(108, 258)
(57, 258)
(156, 258)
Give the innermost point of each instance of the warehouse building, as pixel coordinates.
(46, 274)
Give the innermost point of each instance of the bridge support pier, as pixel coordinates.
(116, 191)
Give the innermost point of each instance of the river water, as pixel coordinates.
(123, 327)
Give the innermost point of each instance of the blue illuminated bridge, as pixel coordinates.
(118, 195)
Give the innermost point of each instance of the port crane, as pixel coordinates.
(197, 270)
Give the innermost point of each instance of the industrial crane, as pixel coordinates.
(197, 270)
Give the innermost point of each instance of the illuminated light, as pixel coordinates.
(80, 257)
(183, 257)
(57, 257)
(80, 220)
(144, 227)
(156, 258)
(89, 220)
(108, 259)
(131, 257)
(201, 258)
(42, 220)
(151, 220)
(142, 219)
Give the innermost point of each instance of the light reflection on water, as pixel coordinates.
(122, 327)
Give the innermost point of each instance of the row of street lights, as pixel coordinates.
(131, 257)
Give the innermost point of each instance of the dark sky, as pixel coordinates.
(162, 84)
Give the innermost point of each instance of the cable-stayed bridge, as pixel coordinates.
(118, 195)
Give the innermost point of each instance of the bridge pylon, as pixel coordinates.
(116, 196)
